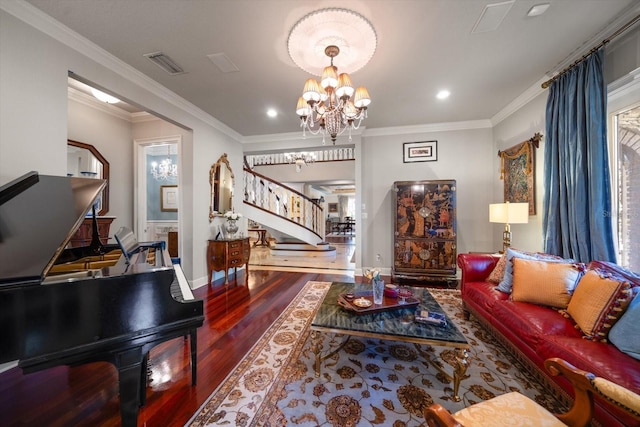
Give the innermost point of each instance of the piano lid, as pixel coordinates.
(38, 216)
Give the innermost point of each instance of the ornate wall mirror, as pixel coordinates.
(84, 160)
(221, 180)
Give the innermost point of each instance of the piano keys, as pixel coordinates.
(80, 305)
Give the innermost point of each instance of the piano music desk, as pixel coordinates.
(226, 254)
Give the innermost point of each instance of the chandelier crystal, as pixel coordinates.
(333, 105)
(165, 169)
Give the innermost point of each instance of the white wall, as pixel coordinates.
(519, 127)
(111, 136)
(34, 114)
(33, 101)
(34, 117)
(462, 155)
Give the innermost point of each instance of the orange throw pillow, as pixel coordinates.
(544, 283)
(597, 303)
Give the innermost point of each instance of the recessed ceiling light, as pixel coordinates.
(538, 9)
(443, 94)
(104, 97)
(272, 113)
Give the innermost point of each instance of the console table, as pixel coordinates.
(85, 231)
(226, 254)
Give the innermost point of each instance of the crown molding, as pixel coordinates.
(90, 101)
(522, 100)
(390, 131)
(49, 26)
(433, 127)
(626, 16)
(297, 136)
(143, 116)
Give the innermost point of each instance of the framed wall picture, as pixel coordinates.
(517, 169)
(169, 198)
(333, 208)
(426, 151)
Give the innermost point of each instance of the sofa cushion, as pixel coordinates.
(532, 323)
(598, 302)
(507, 280)
(544, 283)
(602, 359)
(625, 334)
(497, 274)
(483, 295)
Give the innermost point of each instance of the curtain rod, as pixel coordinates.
(624, 28)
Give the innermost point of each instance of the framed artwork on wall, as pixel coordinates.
(518, 172)
(426, 151)
(333, 208)
(169, 198)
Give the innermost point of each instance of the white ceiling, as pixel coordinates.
(423, 46)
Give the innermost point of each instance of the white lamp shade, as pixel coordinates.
(311, 91)
(509, 213)
(302, 108)
(345, 87)
(329, 77)
(362, 98)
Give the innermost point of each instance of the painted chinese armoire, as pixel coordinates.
(424, 234)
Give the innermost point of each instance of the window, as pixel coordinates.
(627, 189)
(624, 150)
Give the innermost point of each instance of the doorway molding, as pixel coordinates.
(140, 182)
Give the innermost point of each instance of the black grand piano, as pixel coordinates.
(98, 303)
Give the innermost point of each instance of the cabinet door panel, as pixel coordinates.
(420, 255)
(425, 227)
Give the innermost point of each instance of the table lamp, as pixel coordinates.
(507, 214)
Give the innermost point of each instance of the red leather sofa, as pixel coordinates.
(535, 333)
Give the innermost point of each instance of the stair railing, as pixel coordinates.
(272, 196)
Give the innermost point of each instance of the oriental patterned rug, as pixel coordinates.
(368, 382)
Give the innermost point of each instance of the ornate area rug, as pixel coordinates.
(369, 382)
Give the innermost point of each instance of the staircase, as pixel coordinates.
(294, 220)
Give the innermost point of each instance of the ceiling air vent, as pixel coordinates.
(492, 16)
(164, 62)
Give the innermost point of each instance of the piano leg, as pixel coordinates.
(194, 356)
(129, 364)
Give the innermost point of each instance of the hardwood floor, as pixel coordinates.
(87, 395)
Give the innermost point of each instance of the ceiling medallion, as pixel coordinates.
(332, 105)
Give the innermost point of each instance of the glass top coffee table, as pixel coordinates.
(395, 324)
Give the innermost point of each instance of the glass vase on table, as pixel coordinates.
(378, 290)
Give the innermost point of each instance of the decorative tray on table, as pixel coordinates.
(362, 302)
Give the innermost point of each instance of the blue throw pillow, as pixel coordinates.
(507, 281)
(625, 334)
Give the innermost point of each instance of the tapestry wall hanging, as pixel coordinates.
(517, 169)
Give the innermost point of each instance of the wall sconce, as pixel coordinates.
(507, 214)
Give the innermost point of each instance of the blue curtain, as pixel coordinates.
(577, 203)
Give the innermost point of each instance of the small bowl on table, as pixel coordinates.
(391, 290)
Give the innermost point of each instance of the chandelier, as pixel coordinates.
(165, 169)
(300, 159)
(332, 105)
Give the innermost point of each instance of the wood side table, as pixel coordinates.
(226, 254)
